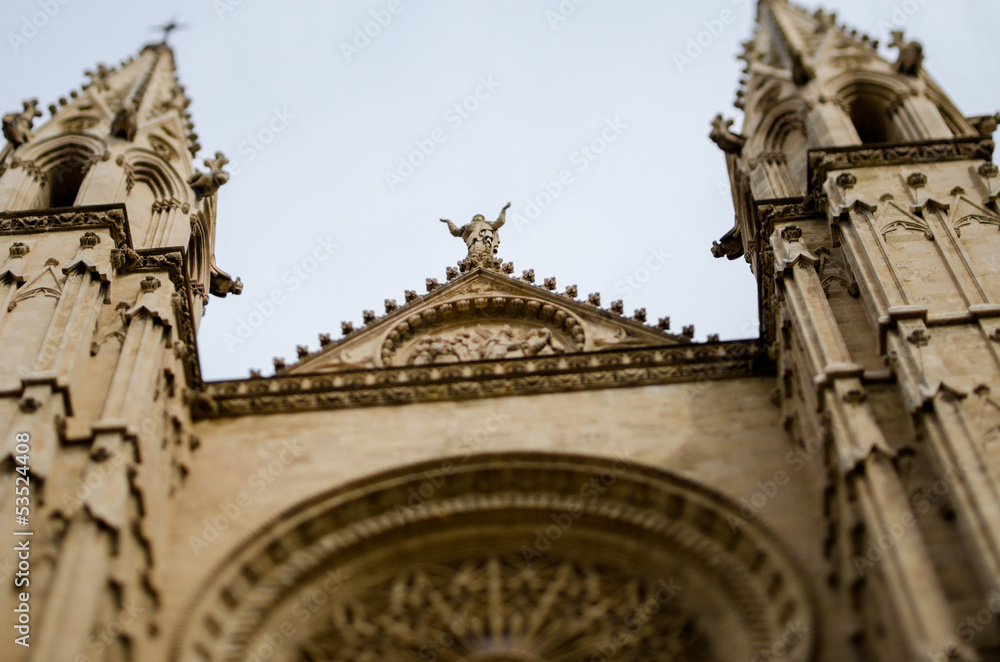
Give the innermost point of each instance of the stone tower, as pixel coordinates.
(107, 237)
(497, 469)
(866, 205)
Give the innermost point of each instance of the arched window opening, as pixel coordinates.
(871, 120)
(64, 180)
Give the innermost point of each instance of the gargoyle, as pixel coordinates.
(911, 54)
(728, 142)
(17, 126)
(205, 184)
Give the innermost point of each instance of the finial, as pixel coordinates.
(482, 239)
(169, 27)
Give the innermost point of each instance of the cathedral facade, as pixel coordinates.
(495, 469)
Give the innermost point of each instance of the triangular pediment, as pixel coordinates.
(482, 315)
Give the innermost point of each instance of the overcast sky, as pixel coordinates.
(505, 99)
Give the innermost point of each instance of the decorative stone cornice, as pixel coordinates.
(822, 161)
(480, 379)
(40, 220)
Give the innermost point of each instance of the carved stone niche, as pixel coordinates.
(482, 329)
(506, 558)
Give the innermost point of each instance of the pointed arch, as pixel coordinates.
(885, 108)
(154, 193)
(781, 144)
(55, 169)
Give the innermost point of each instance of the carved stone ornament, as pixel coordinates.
(512, 558)
(484, 343)
(17, 126)
(362, 387)
(479, 329)
(911, 54)
(953, 149)
(207, 184)
(125, 123)
(482, 238)
(721, 135)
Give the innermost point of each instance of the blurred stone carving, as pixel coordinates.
(911, 54)
(484, 344)
(17, 126)
(206, 184)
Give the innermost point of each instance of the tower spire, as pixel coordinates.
(169, 27)
(863, 209)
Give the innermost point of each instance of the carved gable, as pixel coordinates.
(482, 315)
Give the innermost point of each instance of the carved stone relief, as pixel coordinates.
(483, 343)
(483, 328)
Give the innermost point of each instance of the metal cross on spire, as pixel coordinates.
(169, 27)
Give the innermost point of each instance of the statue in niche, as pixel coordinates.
(481, 236)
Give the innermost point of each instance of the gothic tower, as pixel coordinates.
(106, 234)
(866, 205)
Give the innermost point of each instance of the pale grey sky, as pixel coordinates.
(505, 98)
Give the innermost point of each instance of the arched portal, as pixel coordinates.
(506, 557)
